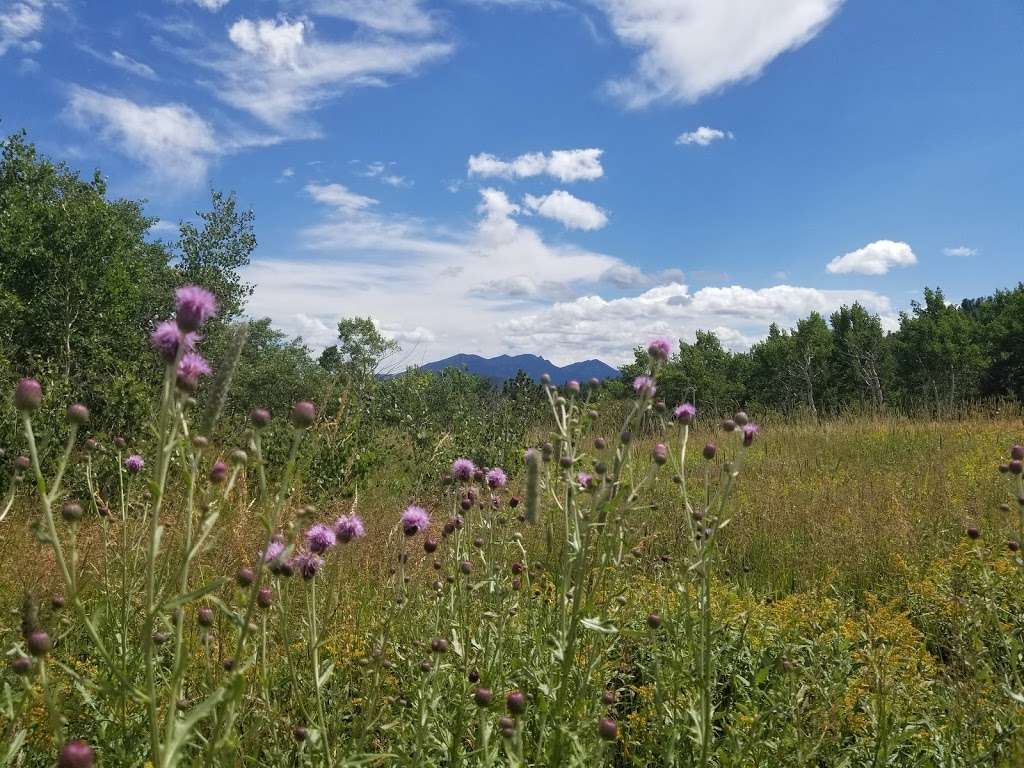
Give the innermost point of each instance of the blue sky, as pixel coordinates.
(563, 177)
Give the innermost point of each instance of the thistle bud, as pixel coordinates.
(660, 454)
(75, 754)
(516, 702)
(303, 414)
(709, 451)
(71, 511)
(260, 417)
(204, 616)
(28, 395)
(573, 386)
(653, 620)
(38, 643)
(218, 472)
(482, 697)
(264, 597)
(78, 414)
(245, 577)
(607, 729)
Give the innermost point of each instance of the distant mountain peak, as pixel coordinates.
(499, 369)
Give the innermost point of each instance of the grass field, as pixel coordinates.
(847, 619)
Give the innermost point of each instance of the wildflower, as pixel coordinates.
(38, 643)
(349, 527)
(78, 414)
(463, 469)
(573, 386)
(303, 414)
(516, 702)
(660, 453)
(584, 480)
(709, 451)
(274, 550)
(644, 386)
(190, 368)
(307, 564)
(134, 464)
(193, 307)
(218, 472)
(414, 519)
(685, 413)
(28, 395)
(607, 729)
(320, 538)
(264, 597)
(496, 478)
(167, 338)
(749, 430)
(659, 349)
(259, 417)
(75, 754)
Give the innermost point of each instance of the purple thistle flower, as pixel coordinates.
(307, 564)
(685, 413)
(167, 337)
(349, 527)
(749, 430)
(463, 469)
(320, 538)
(496, 478)
(134, 463)
(274, 549)
(192, 366)
(194, 306)
(414, 519)
(659, 349)
(584, 480)
(644, 385)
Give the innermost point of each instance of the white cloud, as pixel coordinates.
(279, 69)
(563, 164)
(702, 136)
(875, 258)
(19, 22)
(404, 17)
(339, 196)
(690, 48)
(567, 210)
(610, 328)
(211, 5)
(171, 140)
(961, 251)
(383, 173)
(128, 64)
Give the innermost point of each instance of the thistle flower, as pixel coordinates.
(349, 527)
(414, 519)
(685, 413)
(167, 338)
(659, 349)
(496, 478)
(749, 430)
(264, 597)
(134, 464)
(218, 472)
(190, 368)
(274, 549)
(75, 754)
(28, 395)
(644, 385)
(307, 564)
(320, 538)
(584, 480)
(463, 469)
(193, 307)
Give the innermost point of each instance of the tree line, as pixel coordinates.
(940, 357)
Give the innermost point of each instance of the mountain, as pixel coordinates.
(503, 367)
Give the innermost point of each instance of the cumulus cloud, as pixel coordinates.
(211, 5)
(703, 136)
(279, 69)
(563, 164)
(875, 258)
(19, 23)
(174, 142)
(690, 48)
(612, 327)
(339, 196)
(960, 251)
(568, 210)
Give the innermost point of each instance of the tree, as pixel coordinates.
(215, 255)
(863, 360)
(360, 351)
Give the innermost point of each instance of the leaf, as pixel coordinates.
(184, 727)
(325, 675)
(183, 600)
(599, 625)
(14, 747)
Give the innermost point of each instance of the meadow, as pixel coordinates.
(643, 587)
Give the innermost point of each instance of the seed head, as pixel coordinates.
(22, 463)
(466, 567)
(1016, 466)
(429, 545)
(439, 645)
(57, 602)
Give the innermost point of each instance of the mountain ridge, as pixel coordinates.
(503, 367)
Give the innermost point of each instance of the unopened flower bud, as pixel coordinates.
(28, 395)
(78, 414)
